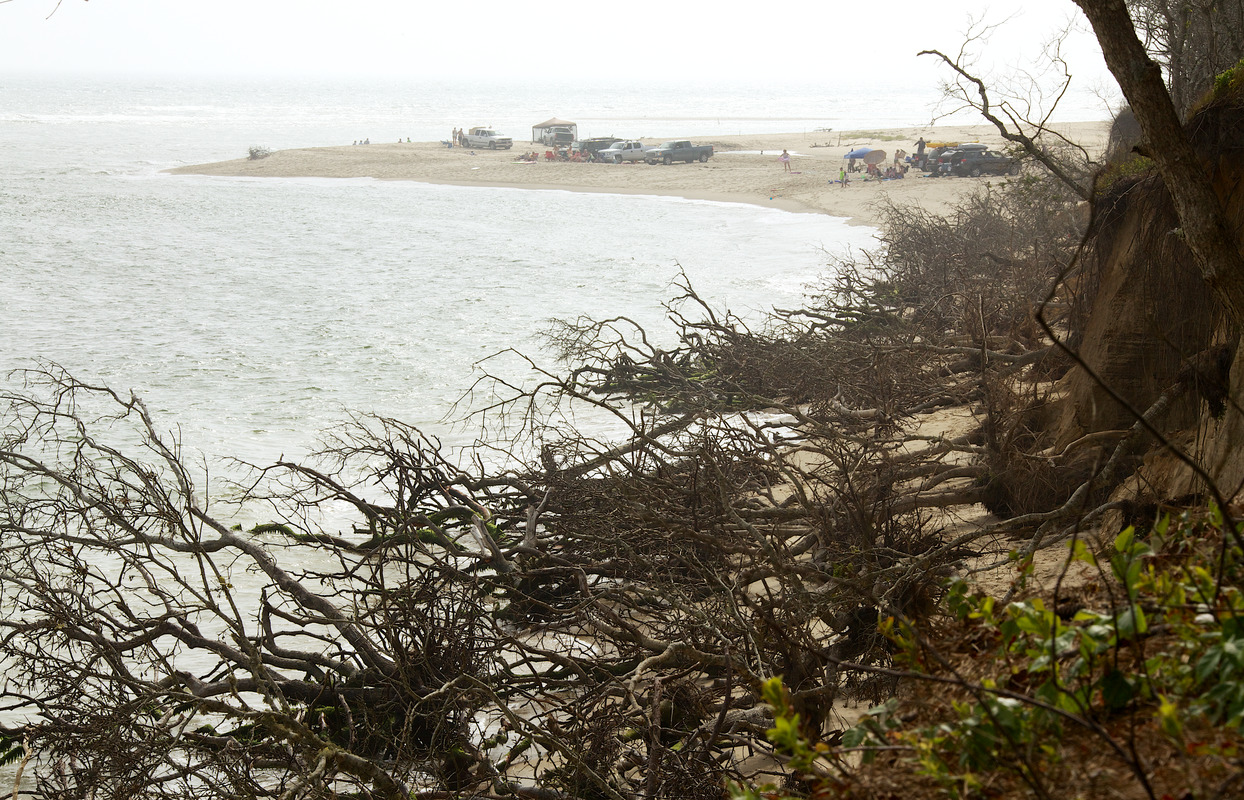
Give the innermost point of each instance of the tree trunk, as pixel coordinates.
(1200, 214)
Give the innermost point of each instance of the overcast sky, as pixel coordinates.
(800, 40)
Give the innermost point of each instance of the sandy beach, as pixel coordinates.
(744, 169)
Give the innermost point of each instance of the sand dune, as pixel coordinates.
(744, 169)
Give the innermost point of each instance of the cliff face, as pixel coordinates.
(1154, 324)
(1150, 310)
(1219, 443)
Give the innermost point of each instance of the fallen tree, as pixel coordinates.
(596, 620)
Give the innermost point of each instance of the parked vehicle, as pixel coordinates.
(928, 161)
(558, 135)
(939, 160)
(486, 138)
(974, 163)
(679, 150)
(594, 145)
(625, 151)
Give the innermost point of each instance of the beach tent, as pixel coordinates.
(554, 123)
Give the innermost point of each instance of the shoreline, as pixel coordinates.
(743, 169)
(780, 204)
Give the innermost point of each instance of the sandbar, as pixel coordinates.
(744, 169)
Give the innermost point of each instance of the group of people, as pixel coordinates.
(458, 138)
(895, 171)
(569, 154)
(889, 173)
(560, 154)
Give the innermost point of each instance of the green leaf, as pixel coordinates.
(13, 755)
(1168, 717)
(1233, 649)
(771, 691)
(1116, 689)
(1029, 625)
(1133, 576)
(854, 737)
(1080, 552)
(1132, 623)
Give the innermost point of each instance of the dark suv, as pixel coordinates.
(593, 145)
(974, 163)
(929, 164)
(946, 157)
(938, 163)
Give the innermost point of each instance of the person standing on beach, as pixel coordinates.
(785, 159)
(920, 152)
(842, 177)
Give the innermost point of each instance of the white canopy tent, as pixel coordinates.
(553, 123)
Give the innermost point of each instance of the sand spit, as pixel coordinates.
(745, 169)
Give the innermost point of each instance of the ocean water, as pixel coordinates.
(254, 314)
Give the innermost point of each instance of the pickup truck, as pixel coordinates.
(488, 138)
(624, 151)
(679, 151)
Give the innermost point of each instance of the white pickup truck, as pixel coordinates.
(624, 151)
(487, 138)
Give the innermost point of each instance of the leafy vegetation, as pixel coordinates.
(1048, 696)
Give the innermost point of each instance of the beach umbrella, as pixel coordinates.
(874, 157)
(859, 152)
